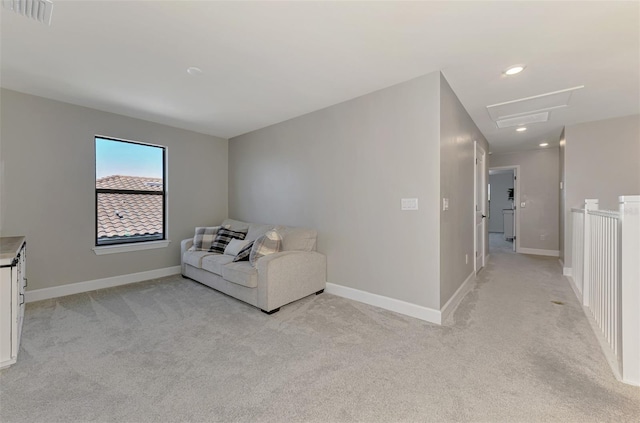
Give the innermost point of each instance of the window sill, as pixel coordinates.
(124, 248)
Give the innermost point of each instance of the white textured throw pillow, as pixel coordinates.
(235, 246)
(269, 243)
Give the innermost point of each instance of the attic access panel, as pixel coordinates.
(530, 109)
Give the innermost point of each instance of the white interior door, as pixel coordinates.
(480, 207)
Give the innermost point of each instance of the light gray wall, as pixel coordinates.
(457, 135)
(500, 184)
(539, 184)
(343, 170)
(49, 181)
(602, 161)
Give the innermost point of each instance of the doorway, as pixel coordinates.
(503, 203)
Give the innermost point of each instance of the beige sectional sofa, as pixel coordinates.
(277, 279)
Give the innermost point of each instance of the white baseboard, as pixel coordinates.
(399, 306)
(575, 288)
(457, 297)
(76, 288)
(567, 271)
(538, 252)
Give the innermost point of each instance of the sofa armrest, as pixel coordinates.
(185, 244)
(288, 276)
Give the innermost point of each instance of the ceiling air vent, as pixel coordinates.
(530, 109)
(523, 120)
(39, 10)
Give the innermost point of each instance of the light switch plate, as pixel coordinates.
(445, 204)
(409, 204)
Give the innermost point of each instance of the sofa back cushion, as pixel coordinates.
(298, 239)
(236, 225)
(256, 230)
(293, 239)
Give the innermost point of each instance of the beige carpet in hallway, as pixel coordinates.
(172, 350)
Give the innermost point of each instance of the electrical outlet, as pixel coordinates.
(466, 259)
(409, 204)
(445, 204)
(543, 237)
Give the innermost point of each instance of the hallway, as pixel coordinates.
(534, 343)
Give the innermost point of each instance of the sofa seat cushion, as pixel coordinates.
(215, 263)
(241, 273)
(194, 258)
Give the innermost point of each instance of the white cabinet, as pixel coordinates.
(13, 282)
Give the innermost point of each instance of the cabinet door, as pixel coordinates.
(6, 318)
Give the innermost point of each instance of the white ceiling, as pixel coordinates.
(265, 62)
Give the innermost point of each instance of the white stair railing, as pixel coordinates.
(606, 273)
(603, 300)
(578, 250)
(630, 287)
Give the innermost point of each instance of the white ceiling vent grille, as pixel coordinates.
(530, 109)
(523, 120)
(39, 10)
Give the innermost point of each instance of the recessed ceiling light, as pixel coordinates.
(521, 129)
(514, 70)
(194, 71)
(544, 144)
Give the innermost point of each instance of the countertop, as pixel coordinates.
(9, 248)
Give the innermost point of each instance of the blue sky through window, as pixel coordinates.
(125, 158)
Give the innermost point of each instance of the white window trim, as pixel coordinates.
(134, 246)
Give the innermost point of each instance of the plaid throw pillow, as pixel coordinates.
(243, 255)
(269, 243)
(223, 237)
(204, 237)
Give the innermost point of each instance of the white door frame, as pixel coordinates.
(483, 252)
(516, 200)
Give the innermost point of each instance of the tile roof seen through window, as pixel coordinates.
(137, 183)
(121, 215)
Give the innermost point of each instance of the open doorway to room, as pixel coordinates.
(503, 209)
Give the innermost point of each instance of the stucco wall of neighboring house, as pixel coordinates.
(602, 161)
(343, 171)
(48, 185)
(457, 135)
(539, 184)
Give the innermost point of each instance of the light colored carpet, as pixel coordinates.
(172, 350)
(497, 243)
